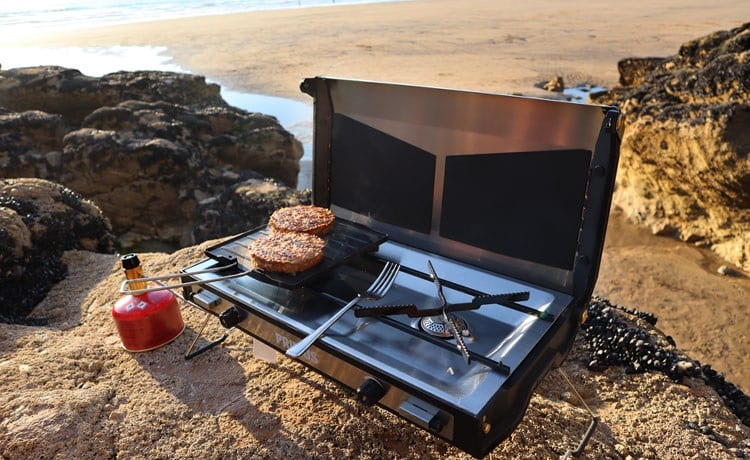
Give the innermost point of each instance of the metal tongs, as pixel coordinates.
(125, 286)
(460, 344)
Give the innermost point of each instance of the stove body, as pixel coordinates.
(500, 193)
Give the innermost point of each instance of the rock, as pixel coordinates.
(73, 95)
(222, 135)
(145, 146)
(148, 164)
(685, 154)
(39, 220)
(253, 141)
(556, 84)
(28, 142)
(633, 71)
(243, 207)
(135, 181)
(727, 271)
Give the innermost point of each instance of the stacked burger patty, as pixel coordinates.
(295, 242)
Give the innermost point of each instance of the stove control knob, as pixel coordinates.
(231, 317)
(370, 392)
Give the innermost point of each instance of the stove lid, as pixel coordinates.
(515, 185)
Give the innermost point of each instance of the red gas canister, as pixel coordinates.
(145, 321)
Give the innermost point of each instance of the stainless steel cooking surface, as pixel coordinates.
(499, 194)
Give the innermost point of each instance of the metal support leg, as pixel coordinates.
(189, 354)
(592, 426)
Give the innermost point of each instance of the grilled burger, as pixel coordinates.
(287, 252)
(303, 218)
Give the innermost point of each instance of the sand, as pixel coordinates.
(486, 45)
(69, 390)
(489, 45)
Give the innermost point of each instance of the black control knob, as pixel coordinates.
(231, 317)
(370, 392)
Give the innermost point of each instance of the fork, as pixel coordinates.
(376, 291)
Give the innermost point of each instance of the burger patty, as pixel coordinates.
(303, 218)
(287, 252)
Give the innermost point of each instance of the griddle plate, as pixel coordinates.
(346, 240)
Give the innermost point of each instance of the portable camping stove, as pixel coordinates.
(494, 206)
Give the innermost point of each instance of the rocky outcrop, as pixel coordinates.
(224, 136)
(39, 220)
(148, 165)
(30, 143)
(685, 155)
(147, 147)
(73, 95)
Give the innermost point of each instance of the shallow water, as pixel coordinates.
(581, 93)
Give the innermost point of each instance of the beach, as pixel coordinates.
(483, 45)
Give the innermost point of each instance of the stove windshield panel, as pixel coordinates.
(381, 177)
(428, 166)
(526, 205)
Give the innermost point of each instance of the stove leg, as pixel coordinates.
(594, 421)
(189, 354)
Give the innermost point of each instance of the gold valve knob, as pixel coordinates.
(133, 270)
